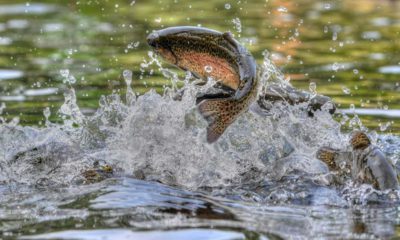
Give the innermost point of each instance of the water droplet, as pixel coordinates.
(237, 24)
(327, 6)
(208, 69)
(313, 88)
(385, 126)
(64, 73)
(158, 20)
(335, 67)
(227, 6)
(346, 90)
(352, 107)
(282, 9)
(355, 71)
(334, 36)
(70, 79)
(344, 119)
(127, 74)
(2, 107)
(46, 113)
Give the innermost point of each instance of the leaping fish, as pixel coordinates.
(209, 53)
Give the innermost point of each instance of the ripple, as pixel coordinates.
(35, 8)
(381, 21)
(335, 67)
(17, 24)
(6, 74)
(105, 27)
(394, 69)
(195, 234)
(17, 98)
(41, 92)
(5, 41)
(373, 112)
(53, 27)
(377, 56)
(371, 35)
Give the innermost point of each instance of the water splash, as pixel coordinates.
(158, 138)
(313, 89)
(2, 107)
(67, 77)
(238, 25)
(130, 95)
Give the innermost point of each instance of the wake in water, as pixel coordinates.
(154, 137)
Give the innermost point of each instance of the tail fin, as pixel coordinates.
(219, 113)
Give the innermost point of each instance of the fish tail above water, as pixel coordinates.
(220, 113)
(208, 53)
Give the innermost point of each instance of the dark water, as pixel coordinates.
(167, 183)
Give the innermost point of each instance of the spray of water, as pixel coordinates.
(162, 139)
(156, 137)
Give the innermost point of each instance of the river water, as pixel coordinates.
(79, 87)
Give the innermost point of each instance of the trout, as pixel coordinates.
(209, 53)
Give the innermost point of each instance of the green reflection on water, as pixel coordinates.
(340, 45)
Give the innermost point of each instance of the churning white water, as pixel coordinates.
(158, 138)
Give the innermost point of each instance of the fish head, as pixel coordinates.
(204, 52)
(162, 47)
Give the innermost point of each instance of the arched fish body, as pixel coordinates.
(208, 53)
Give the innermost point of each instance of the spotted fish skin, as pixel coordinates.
(359, 140)
(194, 49)
(220, 113)
(328, 156)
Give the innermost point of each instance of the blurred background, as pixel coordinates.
(349, 49)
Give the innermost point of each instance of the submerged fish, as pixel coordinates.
(366, 162)
(208, 53)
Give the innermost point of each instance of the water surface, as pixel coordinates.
(65, 105)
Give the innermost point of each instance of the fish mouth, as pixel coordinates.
(152, 39)
(160, 47)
